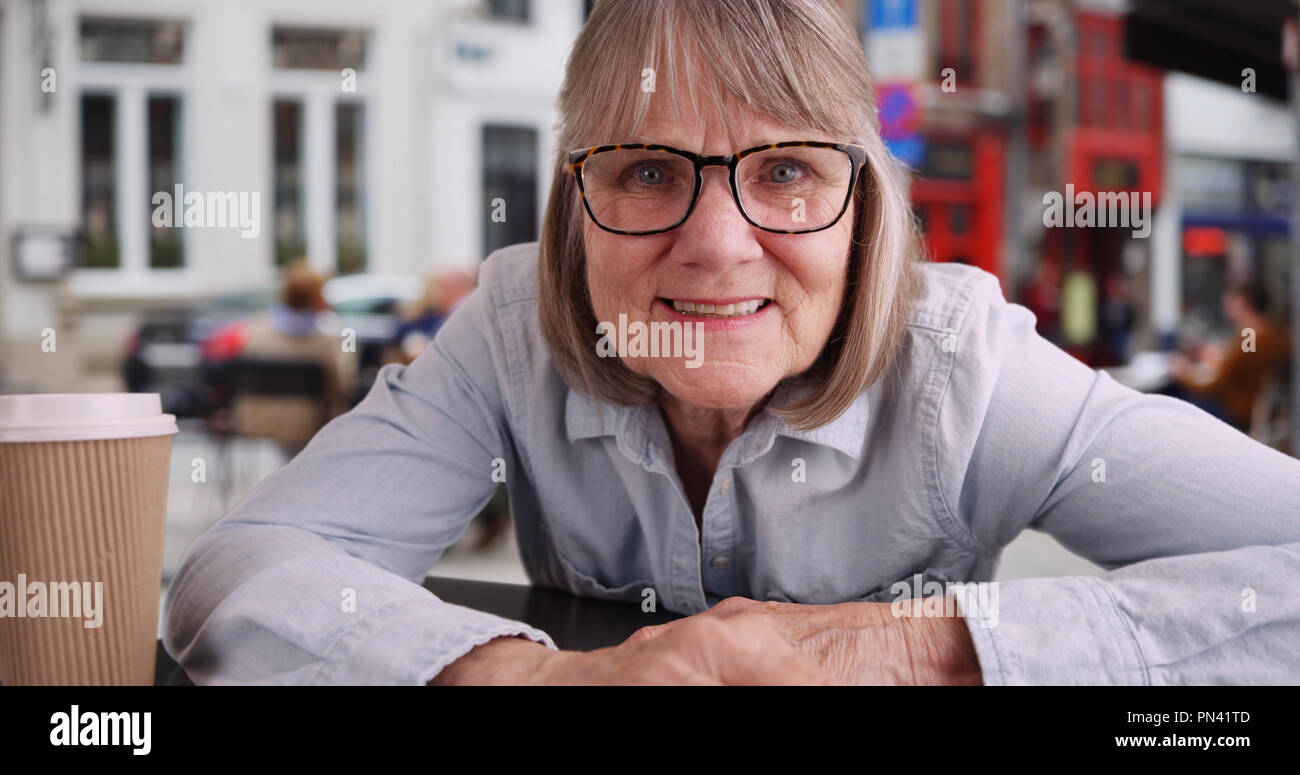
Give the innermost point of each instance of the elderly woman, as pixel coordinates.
(829, 420)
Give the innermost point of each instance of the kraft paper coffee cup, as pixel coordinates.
(83, 506)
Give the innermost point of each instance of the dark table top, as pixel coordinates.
(574, 623)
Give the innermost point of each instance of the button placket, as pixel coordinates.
(650, 440)
(718, 539)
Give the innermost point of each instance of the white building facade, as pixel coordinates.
(373, 137)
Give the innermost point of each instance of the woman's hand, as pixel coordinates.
(860, 643)
(699, 650)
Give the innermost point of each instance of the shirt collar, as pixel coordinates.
(846, 433)
(640, 433)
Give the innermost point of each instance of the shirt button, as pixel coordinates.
(720, 561)
(725, 487)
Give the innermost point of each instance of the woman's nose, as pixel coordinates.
(716, 232)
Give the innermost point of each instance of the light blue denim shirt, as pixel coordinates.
(982, 430)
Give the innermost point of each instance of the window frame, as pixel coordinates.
(318, 93)
(131, 85)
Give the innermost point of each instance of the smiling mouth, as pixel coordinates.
(736, 310)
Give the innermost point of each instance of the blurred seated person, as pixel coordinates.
(418, 326)
(293, 331)
(1230, 378)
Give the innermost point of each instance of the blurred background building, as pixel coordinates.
(392, 144)
(376, 135)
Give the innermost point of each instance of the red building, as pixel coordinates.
(1102, 131)
(957, 196)
(957, 189)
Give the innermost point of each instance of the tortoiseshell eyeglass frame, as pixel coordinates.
(857, 155)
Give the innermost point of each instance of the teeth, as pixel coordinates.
(718, 310)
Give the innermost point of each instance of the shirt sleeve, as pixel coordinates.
(314, 578)
(1197, 524)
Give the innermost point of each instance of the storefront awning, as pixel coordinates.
(1215, 39)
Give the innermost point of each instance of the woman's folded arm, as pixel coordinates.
(1198, 524)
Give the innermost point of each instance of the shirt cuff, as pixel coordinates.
(408, 642)
(1064, 630)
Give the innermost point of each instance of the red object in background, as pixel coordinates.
(1116, 143)
(957, 190)
(1205, 241)
(958, 195)
(961, 36)
(225, 342)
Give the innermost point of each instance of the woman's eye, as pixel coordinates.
(784, 172)
(649, 175)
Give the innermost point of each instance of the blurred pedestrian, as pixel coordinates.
(1233, 376)
(419, 324)
(294, 330)
(1118, 317)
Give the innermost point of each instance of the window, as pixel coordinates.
(99, 247)
(1100, 44)
(509, 184)
(319, 140)
(166, 246)
(349, 183)
(958, 41)
(948, 160)
(317, 48)
(131, 143)
(290, 239)
(1141, 107)
(138, 41)
(102, 155)
(959, 219)
(508, 10)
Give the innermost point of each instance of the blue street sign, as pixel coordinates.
(885, 14)
(909, 149)
(897, 109)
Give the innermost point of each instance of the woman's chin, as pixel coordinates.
(699, 387)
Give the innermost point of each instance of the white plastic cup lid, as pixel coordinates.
(83, 416)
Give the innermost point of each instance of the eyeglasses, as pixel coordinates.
(793, 187)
